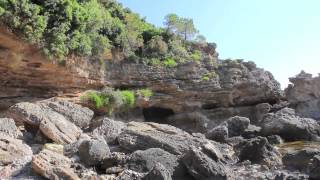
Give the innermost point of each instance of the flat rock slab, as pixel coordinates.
(53, 165)
(80, 116)
(14, 155)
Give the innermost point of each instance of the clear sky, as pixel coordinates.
(281, 36)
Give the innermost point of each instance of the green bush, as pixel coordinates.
(94, 97)
(170, 63)
(128, 98)
(154, 62)
(209, 75)
(146, 93)
(196, 55)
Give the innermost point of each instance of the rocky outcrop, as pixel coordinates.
(289, 126)
(8, 127)
(304, 95)
(235, 87)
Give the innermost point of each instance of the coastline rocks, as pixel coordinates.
(201, 167)
(158, 172)
(80, 116)
(14, 156)
(304, 95)
(301, 159)
(109, 130)
(289, 126)
(194, 122)
(258, 151)
(53, 165)
(93, 152)
(8, 127)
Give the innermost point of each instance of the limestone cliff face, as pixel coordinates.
(25, 74)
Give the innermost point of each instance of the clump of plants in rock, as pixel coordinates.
(208, 76)
(108, 100)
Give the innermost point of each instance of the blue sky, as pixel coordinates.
(281, 36)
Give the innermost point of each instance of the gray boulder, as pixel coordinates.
(219, 133)
(258, 151)
(201, 167)
(237, 125)
(93, 152)
(289, 126)
(109, 130)
(144, 161)
(300, 159)
(80, 116)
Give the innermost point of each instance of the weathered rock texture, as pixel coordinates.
(235, 88)
(304, 95)
(27, 75)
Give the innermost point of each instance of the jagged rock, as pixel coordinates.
(14, 156)
(114, 159)
(54, 147)
(158, 172)
(53, 165)
(219, 133)
(191, 122)
(304, 95)
(201, 167)
(258, 151)
(144, 161)
(142, 136)
(275, 139)
(92, 152)
(73, 148)
(8, 127)
(237, 125)
(59, 130)
(315, 167)
(289, 126)
(234, 126)
(109, 130)
(251, 132)
(80, 116)
(300, 159)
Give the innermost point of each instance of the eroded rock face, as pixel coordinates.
(182, 88)
(289, 126)
(109, 130)
(27, 75)
(93, 152)
(304, 95)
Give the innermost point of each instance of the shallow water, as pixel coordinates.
(297, 145)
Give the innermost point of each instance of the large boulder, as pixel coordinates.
(109, 130)
(258, 151)
(14, 156)
(304, 95)
(80, 116)
(142, 136)
(145, 161)
(300, 159)
(201, 167)
(93, 152)
(193, 122)
(289, 126)
(53, 165)
(8, 127)
(53, 125)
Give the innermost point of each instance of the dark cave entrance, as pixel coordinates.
(157, 114)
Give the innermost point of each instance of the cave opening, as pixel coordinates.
(157, 114)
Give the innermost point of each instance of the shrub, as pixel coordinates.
(95, 98)
(128, 98)
(196, 55)
(154, 62)
(156, 46)
(169, 63)
(146, 93)
(209, 75)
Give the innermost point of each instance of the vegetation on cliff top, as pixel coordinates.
(94, 28)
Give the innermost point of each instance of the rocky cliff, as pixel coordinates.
(26, 74)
